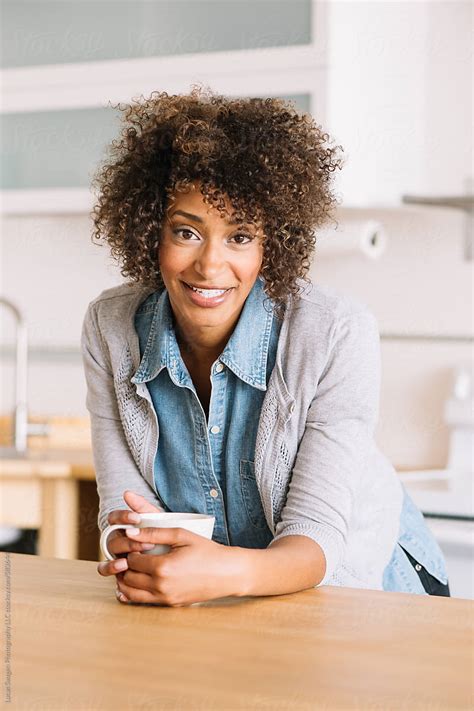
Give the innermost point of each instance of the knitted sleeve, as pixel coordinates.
(115, 467)
(337, 440)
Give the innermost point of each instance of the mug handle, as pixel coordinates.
(105, 534)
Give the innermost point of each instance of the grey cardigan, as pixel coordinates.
(317, 467)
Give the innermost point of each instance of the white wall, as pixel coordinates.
(420, 286)
(50, 270)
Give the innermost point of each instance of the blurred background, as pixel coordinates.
(390, 81)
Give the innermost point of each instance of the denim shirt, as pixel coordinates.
(215, 470)
(417, 539)
(205, 467)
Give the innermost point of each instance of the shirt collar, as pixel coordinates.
(245, 353)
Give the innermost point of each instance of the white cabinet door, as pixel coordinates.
(399, 98)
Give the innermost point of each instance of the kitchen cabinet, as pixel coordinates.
(78, 32)
(60, 88)
(399, 98)
(72, 143)
(390, 82)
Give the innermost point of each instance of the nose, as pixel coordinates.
(210, 261)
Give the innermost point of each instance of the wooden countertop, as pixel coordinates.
(50, 462)
(73, 646)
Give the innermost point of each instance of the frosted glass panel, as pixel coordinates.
(45, 32)
(302, 101)
(50, 149)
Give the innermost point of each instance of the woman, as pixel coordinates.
(221, 381)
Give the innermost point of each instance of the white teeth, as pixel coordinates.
(209, 293)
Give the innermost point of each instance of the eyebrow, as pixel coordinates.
(196, 218)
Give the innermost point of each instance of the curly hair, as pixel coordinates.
(274, 165)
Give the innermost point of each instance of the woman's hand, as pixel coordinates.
(194, 570)
(118, 543)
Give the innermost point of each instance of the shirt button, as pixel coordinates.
(219, 367)
(417, 566)
(214, 493)
(215, 429)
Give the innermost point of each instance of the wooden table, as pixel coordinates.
(74, 646)
(41, 490)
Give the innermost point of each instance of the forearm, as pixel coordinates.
(290, 564)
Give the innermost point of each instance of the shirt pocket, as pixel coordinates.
(251, 494)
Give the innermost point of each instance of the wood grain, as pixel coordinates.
(75, 647)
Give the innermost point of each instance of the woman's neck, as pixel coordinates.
(200, 353)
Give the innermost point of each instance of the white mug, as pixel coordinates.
(202, 524)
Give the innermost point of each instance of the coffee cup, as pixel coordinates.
(202, 524)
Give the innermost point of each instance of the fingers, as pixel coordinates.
(166, 536)
(120, 544)
(112, 567)
(133, 579)
(140, 595)
(120, 596)
(123, 516)
(139, 503)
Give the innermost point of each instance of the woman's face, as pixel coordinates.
(199, 248)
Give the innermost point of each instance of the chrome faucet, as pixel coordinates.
(22, 428)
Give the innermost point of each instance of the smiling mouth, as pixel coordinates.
(207, 291)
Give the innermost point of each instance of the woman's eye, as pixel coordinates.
(249, 238)
(182, 230)
(239, 238)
